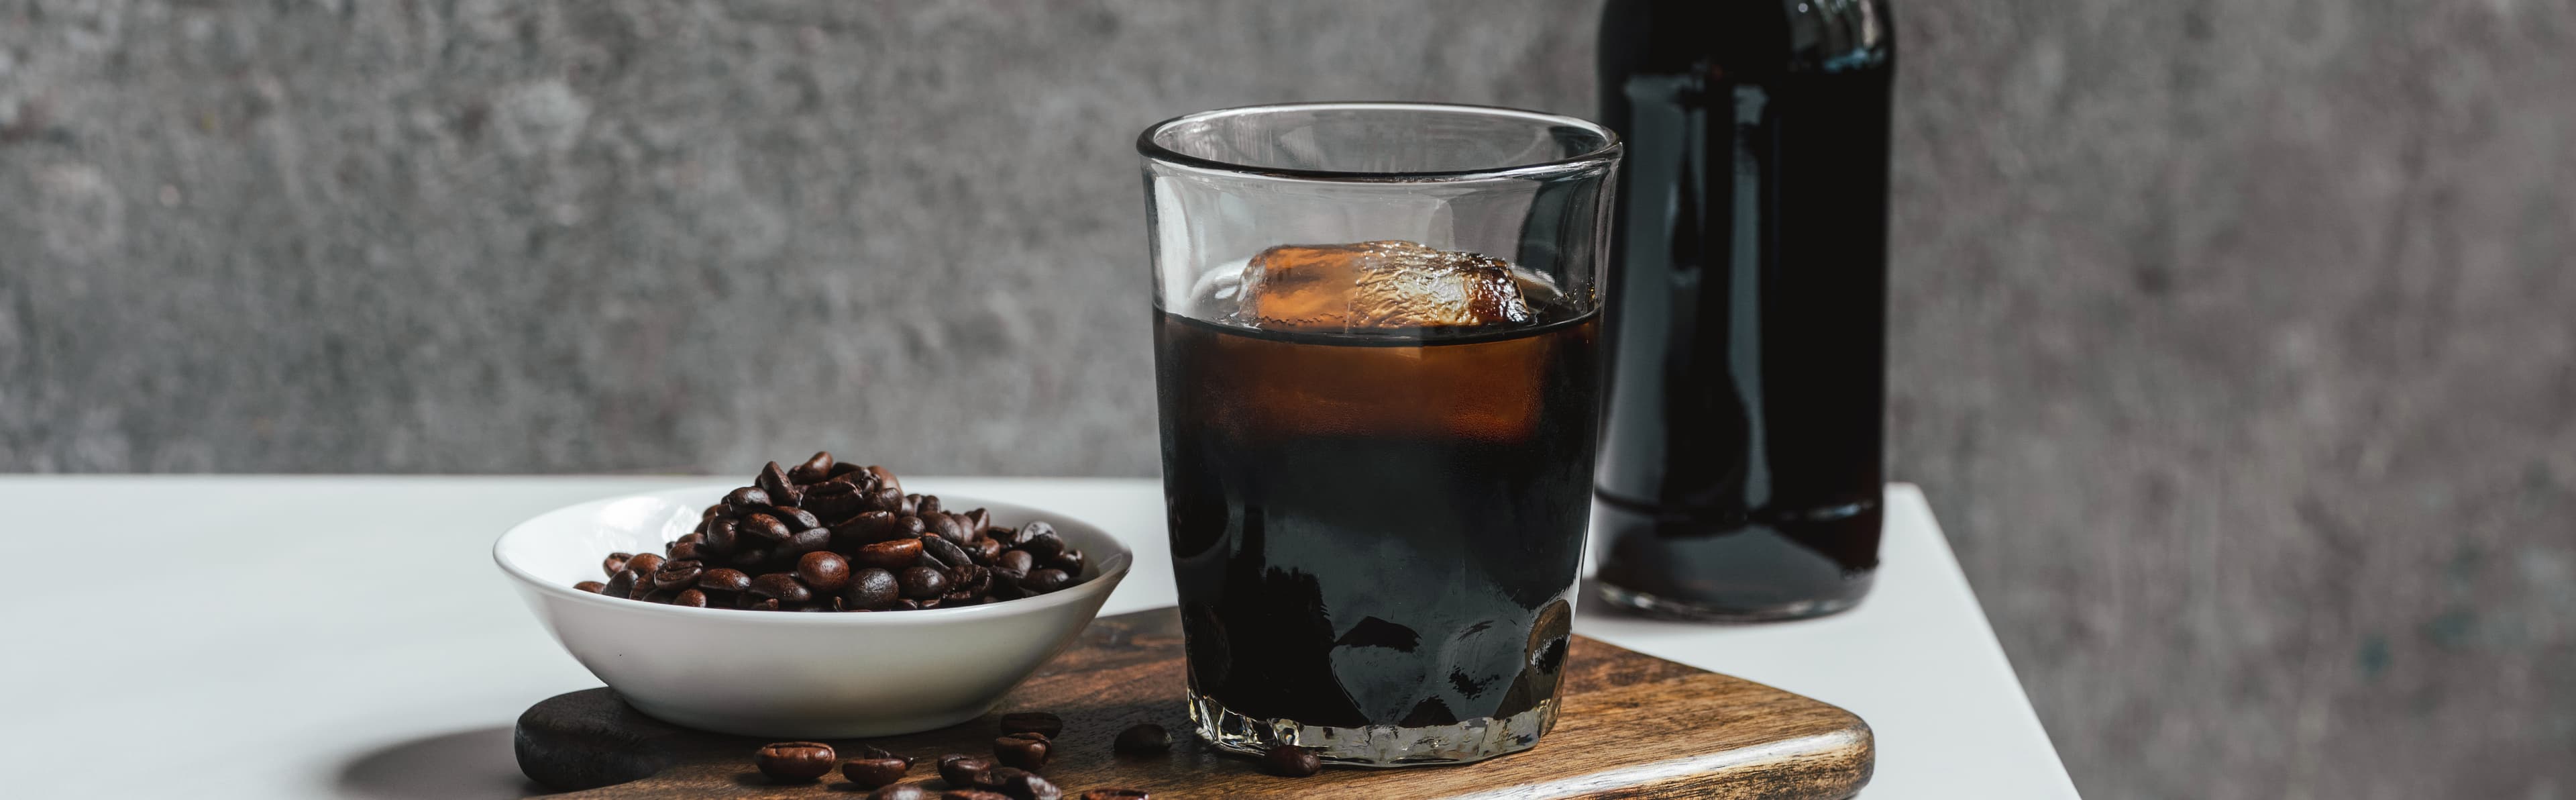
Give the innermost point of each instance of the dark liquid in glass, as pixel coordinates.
(1377, 528)
(1741, 448)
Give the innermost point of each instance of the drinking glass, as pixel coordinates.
(1376, 351)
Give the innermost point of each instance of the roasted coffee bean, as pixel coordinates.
(687, 551)
(690, 538)
(885, 478)
(663, 596)
(925, 504)
(824, 572)
(592, 587)
(906, 604)
(620, 584)
(750, 557)
(970, 579)
(909, 506)
(773, 480)
(946, 525)
(891, 554)
(868, 527)
(986, 549)
(796, 518)
(766, 527)
(724, 579)
(1070, 561)
(922, 583)
(872, 588)
(1037, 722)
(1021, 535)
(794, 762)
(747, 497)
(972, 794)
(645, 563)
(871, 773)
(884, 498)
(948, 553)
(1291, 761)
(810, 540)
(1145, 739)
(722, 536)
(1043, 581)
(614, 562)
(960, 769)
(1043, 544)
(691, 598)
(814, 470)
(1022, 750)
(903, 791)
(752, 602)
(832, 500)
(979, 519)
(677, 575)
(1017, 783)
(1117, 794)
(1018, 562)
(782, 587)
(643, 585)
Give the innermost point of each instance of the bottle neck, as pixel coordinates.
(1745, 40)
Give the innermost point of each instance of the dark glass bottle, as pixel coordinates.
(1740, 466)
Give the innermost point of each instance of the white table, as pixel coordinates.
(277, 637)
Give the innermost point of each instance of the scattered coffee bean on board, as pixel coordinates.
(1145, 739)
(1023, 750)
(794, 762)
(960, 769)
(1038, 722)
(1291, 761)
(831, 536)
(1018, 784)
(872, 772)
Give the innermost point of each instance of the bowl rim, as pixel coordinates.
(1111, 570)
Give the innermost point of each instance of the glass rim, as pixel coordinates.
(1602, 156)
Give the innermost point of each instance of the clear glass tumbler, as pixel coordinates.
(1376, 345)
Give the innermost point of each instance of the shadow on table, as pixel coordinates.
(477, 764)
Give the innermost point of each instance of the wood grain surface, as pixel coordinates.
(1631, 726)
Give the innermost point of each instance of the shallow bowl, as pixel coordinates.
(787, 674)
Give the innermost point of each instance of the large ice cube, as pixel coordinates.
(1384, 284)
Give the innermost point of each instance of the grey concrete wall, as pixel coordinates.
(2233, 340)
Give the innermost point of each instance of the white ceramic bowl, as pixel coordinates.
(786, 674)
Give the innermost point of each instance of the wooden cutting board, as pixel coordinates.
(1631, 725)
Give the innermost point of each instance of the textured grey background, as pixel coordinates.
(2233, 340)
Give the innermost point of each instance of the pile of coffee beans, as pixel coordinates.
(831, 536)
